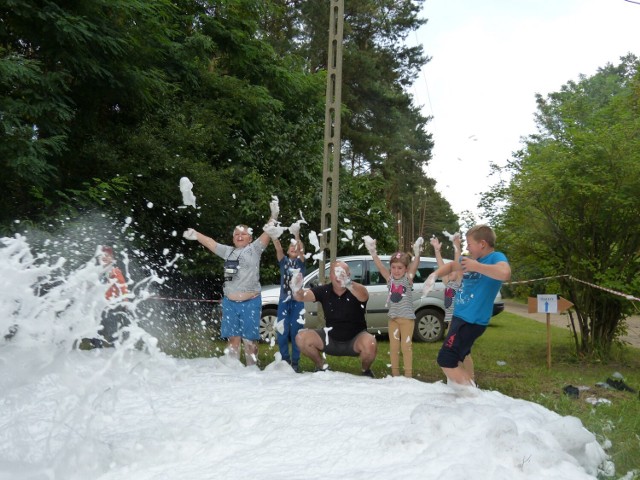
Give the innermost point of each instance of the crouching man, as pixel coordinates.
(344, 304)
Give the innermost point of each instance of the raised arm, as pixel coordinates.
(384, 271)
(264, 239)
(210, 243)
(437, 246)
(271, 229)
(457, 247)
(279, 251)
(415, 263)
(370, 245)
(456, 275)
(299, 246)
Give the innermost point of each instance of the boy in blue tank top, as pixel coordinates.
(483, 272)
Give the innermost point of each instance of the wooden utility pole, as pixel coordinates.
(332, 141)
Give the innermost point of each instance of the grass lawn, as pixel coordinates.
(511, 358)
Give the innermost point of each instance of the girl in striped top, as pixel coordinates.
(399, 277)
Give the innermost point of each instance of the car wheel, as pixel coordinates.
(268, 321)
(429, 326)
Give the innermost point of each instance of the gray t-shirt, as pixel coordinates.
(248, 277)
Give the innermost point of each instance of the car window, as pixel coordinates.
(315, 280)
(357, 270)
(375, 277)
(424, 270)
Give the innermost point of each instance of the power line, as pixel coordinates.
(424, 79)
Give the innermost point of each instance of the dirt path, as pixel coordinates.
(633, 323)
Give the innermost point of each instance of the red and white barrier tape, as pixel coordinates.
(536, 279)
(614, 292)
(183, 299)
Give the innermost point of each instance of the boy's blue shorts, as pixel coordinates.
(241, 319)
(458, 342)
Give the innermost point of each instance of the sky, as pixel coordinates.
(489, 59)
(124, 413)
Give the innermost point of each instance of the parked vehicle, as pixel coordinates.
(430, 325)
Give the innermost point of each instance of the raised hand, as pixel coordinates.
(369, 244)
(450, 236)
(188, 198)
(417, 246)
(295, 228)
(190, 234)
(435, 243)
(274, 205)
(273, 230)
(457, 242)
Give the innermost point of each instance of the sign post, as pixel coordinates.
(548, 304)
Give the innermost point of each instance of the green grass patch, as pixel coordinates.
(511, 358)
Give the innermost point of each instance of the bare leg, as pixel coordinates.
(233, 347)
(250, 352)
(366, 347)
(462, 374)
(310, 344)
(467, 364)
(457, 375)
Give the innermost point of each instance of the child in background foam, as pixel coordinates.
(452, 281)
(289, 318)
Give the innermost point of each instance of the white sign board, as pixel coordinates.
(547, 304)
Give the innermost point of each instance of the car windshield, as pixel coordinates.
(424, 270)
(367, 273)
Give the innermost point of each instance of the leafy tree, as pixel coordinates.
(104, 105)
(572, 202)
(245, 125)
(68, 72)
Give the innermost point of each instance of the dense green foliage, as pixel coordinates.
(105, 105)
(572, 200)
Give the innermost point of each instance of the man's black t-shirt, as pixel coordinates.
(345, 313)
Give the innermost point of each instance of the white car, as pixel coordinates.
(430, 325)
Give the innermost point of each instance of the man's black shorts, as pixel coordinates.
(336, 348)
